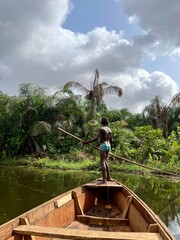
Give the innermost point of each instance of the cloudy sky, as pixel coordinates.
(135, 44)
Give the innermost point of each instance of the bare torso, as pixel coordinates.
(105, 135)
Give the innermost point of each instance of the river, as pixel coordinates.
(22, 188)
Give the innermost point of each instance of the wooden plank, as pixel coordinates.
(98, 184)
(125, 210)
(65, 233)
(102, 220)
(25, 221)
(66, 197)
(137, 222)
(153, 228)
(78, 225)
(77, 203)
(120, 200)
(17, 237)
(120, 229)
(63, 200)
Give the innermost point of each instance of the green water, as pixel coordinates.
(23, 188)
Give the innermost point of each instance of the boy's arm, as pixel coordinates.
(92, 140)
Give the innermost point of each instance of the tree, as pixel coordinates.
(98, 91)
(119, 115)
(150, 142)
(6, 112)
(70, 116)
(33, 121)
(159, 113)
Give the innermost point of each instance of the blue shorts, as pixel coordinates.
(105, 147)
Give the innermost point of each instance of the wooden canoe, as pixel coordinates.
(93, 211)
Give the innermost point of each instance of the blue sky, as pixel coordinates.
(87, 15)
(134, 44)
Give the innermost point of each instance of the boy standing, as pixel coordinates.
(105, 136)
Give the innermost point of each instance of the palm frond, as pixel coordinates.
(175, 100)
(75, 85)
(103, 84)
(113, 90)
(40, 127)
(62, 92)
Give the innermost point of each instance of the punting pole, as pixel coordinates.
(121, 158)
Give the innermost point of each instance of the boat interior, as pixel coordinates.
(93, 211)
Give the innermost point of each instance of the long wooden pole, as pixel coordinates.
(121, 158)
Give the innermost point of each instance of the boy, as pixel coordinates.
(105, 136)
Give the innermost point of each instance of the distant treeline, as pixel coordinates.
(29, 122)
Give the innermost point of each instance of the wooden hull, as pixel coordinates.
(92, 211)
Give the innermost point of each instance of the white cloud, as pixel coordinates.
(159, 18)
(133, 20)
(140, 88)
(34, 47)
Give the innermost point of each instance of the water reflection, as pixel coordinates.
(24, 188)
(170, 215)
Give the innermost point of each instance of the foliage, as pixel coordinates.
(123, 139)
(96, 93)
(155, 148)
(172, 152)
(151, 142)
(60, 163)
(29, 124)
(160, 113)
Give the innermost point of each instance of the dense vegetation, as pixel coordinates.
(30, 120)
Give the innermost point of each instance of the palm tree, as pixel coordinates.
(98, 91)
(165, 113)
(70, 115)
(32, 119)
(160, 113)
(5, 112)
(153, 112)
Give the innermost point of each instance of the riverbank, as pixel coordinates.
(81, 161)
